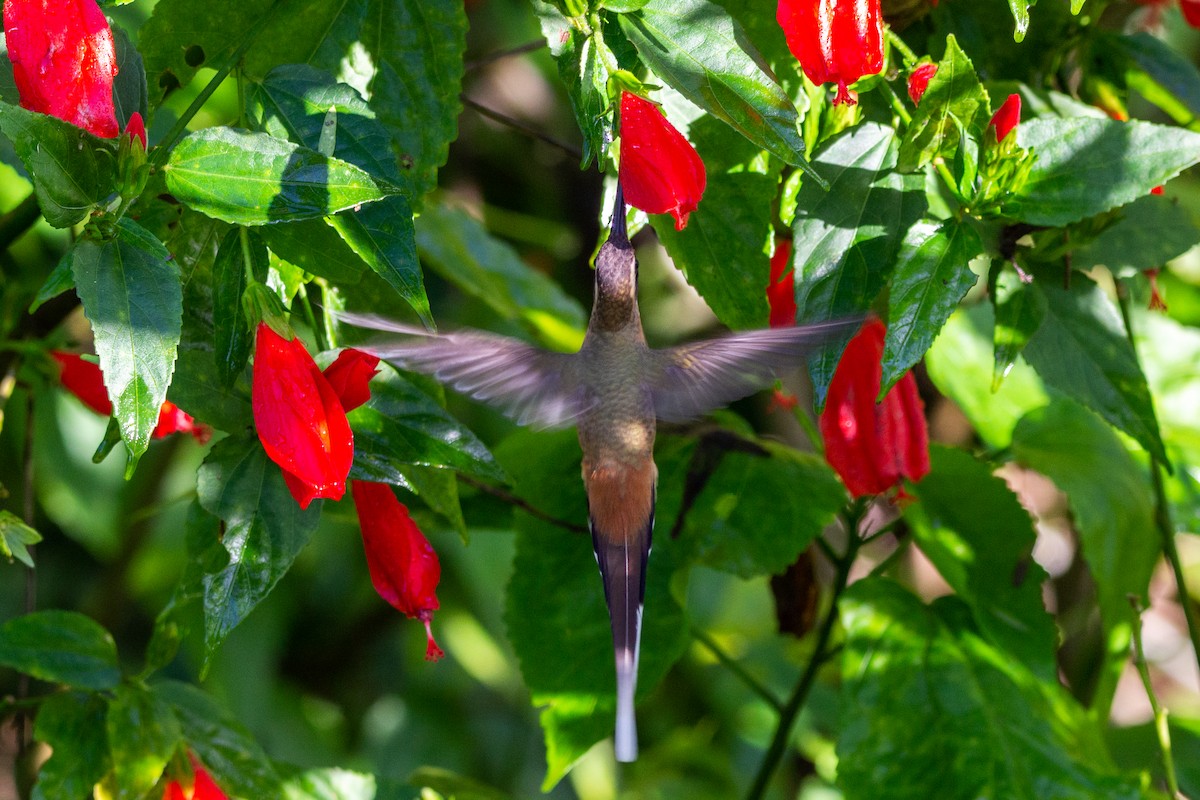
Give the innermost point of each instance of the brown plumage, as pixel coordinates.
(614, 389)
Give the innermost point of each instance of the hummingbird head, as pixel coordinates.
(615, 302)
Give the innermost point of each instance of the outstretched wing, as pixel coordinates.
(530, 385)
(693, 379)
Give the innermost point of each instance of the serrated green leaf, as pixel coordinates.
(461, 250)
(15, 537)
(845, 240)
(757, 513)
(438, 489)
(129, 85)
(176, 41)
(1150, 59)
(954, 100)
(230, 754)
(984, 550)
(401, 425)
(232, 338)
(60, 647)
(131, 293)
(73, 172)
(930, 709)
(73, 725)
(58, 281)
(1076, 176)
(1081, 349)
(723, 250)
(383, 236)
(555, 613)
(703, 53)
(143, 734)
(1147, 233)
(1112, 506)
(960, 366)
(316, 248)
(1019, 311)
(265, 529)
(931, 276)
(255, 179)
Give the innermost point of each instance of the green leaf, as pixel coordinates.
(955, 99)
(232, 337)
(846, 239)
(1020, 12)
(1019, 313)
(142, 736)
(557, 620)
(931, 276)
(73, 725)
(984, 550)
(15, 536)
(1112, 506)
(960, 366)
(60, 647)
(438, 488)
(265, 529)
(1150, 59)
(702, 52)
(176, 41)
(932, 710)
(448, 784)
(1076, 172)
(340, 784)
(723, 250)
(130, 290)
(1147, 233)
(58, 281)
(382, 235)
(758, 512)
(316, 248)
(254, 179)
(230, 754)
(73, 172)
(129, 85)
(461, 250)
(401, 425)
(1081, 349)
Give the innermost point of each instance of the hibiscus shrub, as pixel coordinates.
(956, 560)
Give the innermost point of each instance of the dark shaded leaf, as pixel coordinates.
(1147, 233)
(382, 235)
(73, 725)
(60, 647)
(231, 331)
(142, 736)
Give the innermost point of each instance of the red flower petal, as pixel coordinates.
(84, 380)
(64, 61)
(136, 127)
(660, 172)
(1191, 12)
(404, 567)
(299, 419)
(781, 288)
(350, 375)
(918, 80)
(1006, 117)
(205, 787)
(835, 41)
(873, 447)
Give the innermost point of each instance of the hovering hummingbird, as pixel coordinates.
(613, 390)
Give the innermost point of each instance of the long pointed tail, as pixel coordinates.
(622, 556)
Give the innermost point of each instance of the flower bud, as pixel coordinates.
(299, 419)
(660, 172)
(873, 446)
(835, 41)
(1006, 117)
(64, 61)
(403, 565)
(918, 80)
(781, 287)
(203, 787)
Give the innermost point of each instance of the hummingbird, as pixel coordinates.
(614, 390)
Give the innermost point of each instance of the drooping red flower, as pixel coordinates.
(781, 287)
(85, 380)
(203, 787)
(918, 80)
(1007, 117)
(873, 447)
(660, 172)
(835, 41)
(299, 418)
(64, 61)
(349, 376)
(1191, 12)
(404, 567)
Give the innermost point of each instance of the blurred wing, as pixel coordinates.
(693, 379)
(530, 385)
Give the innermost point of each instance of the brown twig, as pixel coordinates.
(518, 125)
(521, 503)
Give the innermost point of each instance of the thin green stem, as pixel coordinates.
(1161, 726)
(902, 112)
(311, 319)
(14, 224)
(1162, 509)
(791, 709)
(810, 429)
(752, 683)
(895, 41)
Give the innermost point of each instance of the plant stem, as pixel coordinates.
(791, 709)
(516, 124)
(23, 740)
(521, 503)
(895, 41)
(752, 683)
(483, 61)
(902, 112)
(14, 224)
(1162, 510)
(1161, 727)
(810, 429)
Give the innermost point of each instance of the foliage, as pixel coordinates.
(307, 158)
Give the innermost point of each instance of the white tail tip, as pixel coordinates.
(625, 740)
